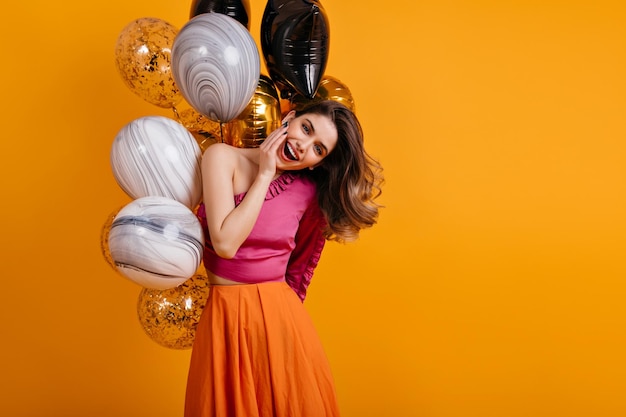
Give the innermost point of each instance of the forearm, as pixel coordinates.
(238, 223)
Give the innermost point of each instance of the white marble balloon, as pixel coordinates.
(156, 242)
(216, 65)
(157, 156)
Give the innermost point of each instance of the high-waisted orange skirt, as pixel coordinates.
(256, 354)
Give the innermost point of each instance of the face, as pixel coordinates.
(310, 138)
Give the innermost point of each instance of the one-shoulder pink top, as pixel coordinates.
(285, 243)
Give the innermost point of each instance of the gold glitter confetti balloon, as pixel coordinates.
(170, 317)
(143, 55)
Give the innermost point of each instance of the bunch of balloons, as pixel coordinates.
(156, 240)
(209, 74)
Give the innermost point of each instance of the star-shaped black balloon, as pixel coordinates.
(295, 38)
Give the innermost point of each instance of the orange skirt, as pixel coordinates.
(256, 354)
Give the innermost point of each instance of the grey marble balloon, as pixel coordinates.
(216, 65)
(156, 242)
(157, 156)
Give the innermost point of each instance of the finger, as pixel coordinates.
(274, 138)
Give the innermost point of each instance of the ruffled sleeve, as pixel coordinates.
(306, 255)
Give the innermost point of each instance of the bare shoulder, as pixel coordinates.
(221, 155)
(220, 150)
(223, 163)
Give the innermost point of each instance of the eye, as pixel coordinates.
(306, 129)
(318, 149)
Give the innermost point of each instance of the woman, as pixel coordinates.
(267, 213)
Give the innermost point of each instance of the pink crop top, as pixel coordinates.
(285, 243)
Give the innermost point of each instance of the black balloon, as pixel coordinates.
(237, 9)
(295, 38)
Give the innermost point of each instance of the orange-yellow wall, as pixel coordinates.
(493, 285)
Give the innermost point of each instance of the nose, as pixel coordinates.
(303, 144)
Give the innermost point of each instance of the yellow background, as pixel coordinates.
(493, 284)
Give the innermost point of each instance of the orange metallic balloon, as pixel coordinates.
(204, 130)
(104, 239)
(330, 88)
(261, 116)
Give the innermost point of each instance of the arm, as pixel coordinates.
(305, 257)
(229, 226)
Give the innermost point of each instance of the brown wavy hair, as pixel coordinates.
(348, 179)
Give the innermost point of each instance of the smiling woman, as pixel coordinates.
(308, 139)
(266, 218)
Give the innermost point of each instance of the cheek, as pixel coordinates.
(310, 154)
(317, 158)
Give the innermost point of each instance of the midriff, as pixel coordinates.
(217, 280)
